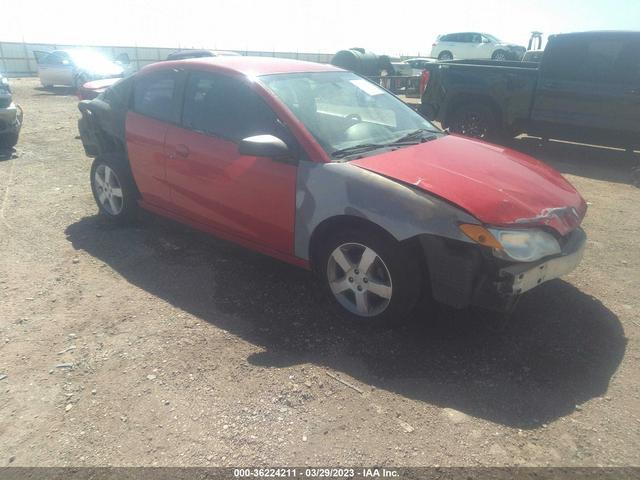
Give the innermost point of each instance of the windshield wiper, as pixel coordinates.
(418, 134)
(363, 147)
(412, 138)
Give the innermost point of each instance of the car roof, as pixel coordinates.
(249, 66)
(597, 33)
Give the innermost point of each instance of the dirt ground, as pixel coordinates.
(158, 345)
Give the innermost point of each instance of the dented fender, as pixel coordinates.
(327, 190)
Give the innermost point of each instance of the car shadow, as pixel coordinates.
(56, 91)
(599, 163)
(560, 350)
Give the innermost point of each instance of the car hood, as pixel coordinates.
(497, 185)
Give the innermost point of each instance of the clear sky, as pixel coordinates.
(405, 27)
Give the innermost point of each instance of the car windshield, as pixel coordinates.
(344, 111)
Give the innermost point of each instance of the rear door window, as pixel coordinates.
(154, 95)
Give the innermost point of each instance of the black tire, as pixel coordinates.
(446, 55)
(126, 207)
(475, 120)
(403, 271)
(499, 55)
(8, 140)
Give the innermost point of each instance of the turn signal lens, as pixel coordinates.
(481, 235)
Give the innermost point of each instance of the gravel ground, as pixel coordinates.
(158, 345)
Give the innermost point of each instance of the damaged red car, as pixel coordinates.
(324, 169)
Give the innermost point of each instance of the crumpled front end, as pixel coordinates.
(464, 274)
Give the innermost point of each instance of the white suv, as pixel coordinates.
(473, 45)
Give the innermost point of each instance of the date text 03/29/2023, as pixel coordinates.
(314, 473)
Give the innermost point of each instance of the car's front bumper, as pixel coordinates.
(520, 278)
(464, 274)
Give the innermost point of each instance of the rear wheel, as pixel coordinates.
(370, 276)
(474, 120)
(446, 55)
(113, 188)
(499, 55)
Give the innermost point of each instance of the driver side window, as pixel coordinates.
(226, 107)
(222, 106)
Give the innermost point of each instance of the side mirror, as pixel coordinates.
(264, 146)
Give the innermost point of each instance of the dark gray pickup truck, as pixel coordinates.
(585, 89)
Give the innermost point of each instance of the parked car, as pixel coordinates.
(94, 88)
(10, 116)
(420, 64)
(586, 89)
(324, 169)
(473, 45)
(75, 67)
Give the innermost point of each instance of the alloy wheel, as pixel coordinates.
(359, 279)
(108, 190)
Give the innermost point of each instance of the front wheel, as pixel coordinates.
(113, 188)
(446, 55)
(370, 276)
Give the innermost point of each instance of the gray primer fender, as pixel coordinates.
(326, 190)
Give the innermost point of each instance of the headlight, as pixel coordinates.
(527, 245)
(523, 245)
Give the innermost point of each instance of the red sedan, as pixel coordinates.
(324, 169)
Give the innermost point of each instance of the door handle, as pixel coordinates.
(634, 91)
(550, 85)
(182, 150)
